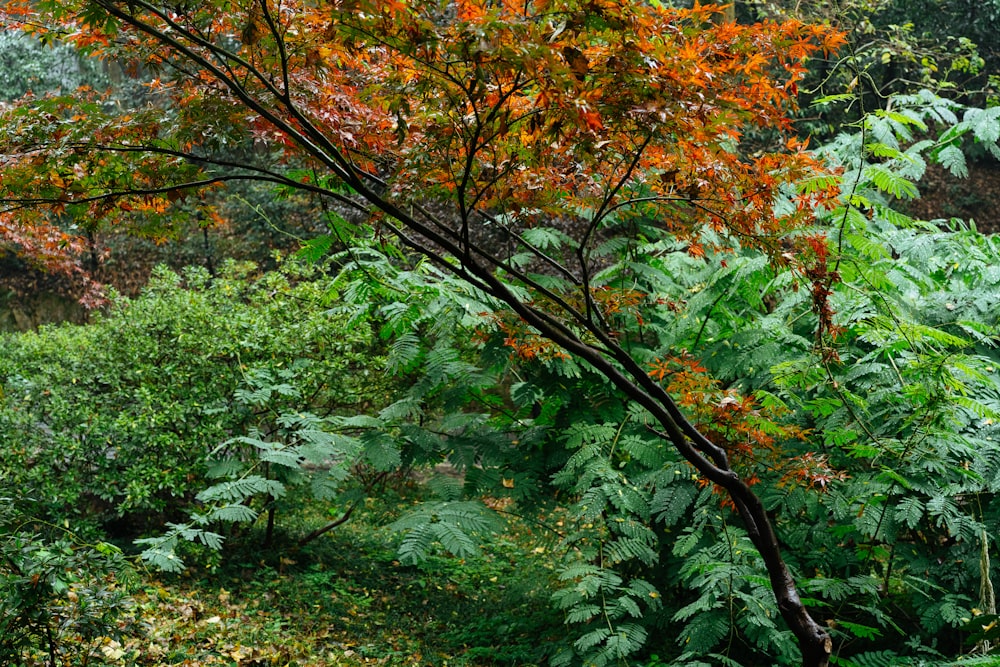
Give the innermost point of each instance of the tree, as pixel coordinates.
(527, 148)
(29, 67)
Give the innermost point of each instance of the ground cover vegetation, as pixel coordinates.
(576, 254)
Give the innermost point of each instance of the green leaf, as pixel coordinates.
(818, 183)
(891, 183)
(582, 613)
(672, 503)
(985, 124)
(381, 450)
(546, 238)
(910, 511)
(233, 513)
(238, 490)
(591, 639)
(316, 249)
(953, 159)
(840, 97)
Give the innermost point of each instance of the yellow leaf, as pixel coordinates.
(112, 650)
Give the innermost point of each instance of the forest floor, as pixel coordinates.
(346, 600)
(974, 198)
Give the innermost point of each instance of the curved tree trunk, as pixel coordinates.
(708, 458)
(446, 240)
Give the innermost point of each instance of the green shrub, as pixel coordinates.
(113, 422)
(61, 603)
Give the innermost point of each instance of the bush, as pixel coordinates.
(61, 603)
(112, 423)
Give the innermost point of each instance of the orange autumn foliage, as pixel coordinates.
(505, 106)
(754, 436)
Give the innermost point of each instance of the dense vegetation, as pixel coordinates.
(584, 356)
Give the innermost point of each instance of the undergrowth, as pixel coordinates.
(345, 599)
